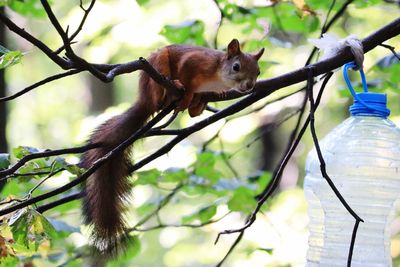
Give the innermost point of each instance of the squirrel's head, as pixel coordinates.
(240, 70)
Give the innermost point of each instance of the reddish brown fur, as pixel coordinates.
(108, 187)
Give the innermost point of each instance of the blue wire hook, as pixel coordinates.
(364, 84)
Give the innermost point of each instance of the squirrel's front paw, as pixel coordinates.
(184, 102)
(179, 85)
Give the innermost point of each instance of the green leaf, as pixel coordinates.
(313, 23)
(9, 261)
(269, 251)
(30, 228)
(205, 166)
(191, 32)
(134, 247)
(28, 7)
(204, 215)
(22, 151)
(195, 189)
(10, 58)
(243, 200)
(145, 208)
(263, 181)
(132, 251)
(142, 2)
(74, 169)
(19, 223)
(61, 163)
(41, 228)
(175, 175)
(318, 4)
(148, 177)
(4, 160)
(365, 3)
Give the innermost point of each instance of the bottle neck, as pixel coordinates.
(372, 115)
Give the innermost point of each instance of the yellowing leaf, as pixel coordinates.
(306, 10)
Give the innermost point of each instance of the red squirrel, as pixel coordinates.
(197, 70)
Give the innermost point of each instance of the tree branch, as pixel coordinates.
(277, 172)
(46, 153)
(266, 87)
(323, 168)
(392, 49)
(263, 89)
(40, 83)
(80, 27)
(94, 167)
(59, 202)
(36, 42)
(162, 203)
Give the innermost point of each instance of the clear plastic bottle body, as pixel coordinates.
(362, 157)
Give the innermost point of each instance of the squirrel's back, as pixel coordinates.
(196, 69)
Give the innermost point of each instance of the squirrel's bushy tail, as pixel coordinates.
(108, 187)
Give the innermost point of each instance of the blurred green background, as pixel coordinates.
(235, 165)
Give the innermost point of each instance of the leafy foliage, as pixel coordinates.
(214, 185)
(191, 32)
(27, 7)
(9, 58)
(4, 160)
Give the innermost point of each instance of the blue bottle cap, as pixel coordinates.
(366, 103)
(370, 104)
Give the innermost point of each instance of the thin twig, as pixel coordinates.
(324, 26)
(214, 137)
(159, 226)
(233, 246)
(40, 83)
(294, 142)
(65, 64)
(162, 204)
(97, 164)
(392, 49)
(83, 64)
(164, 125)
(323, 166)
(80, 27)
(272, 126)
(51, 174)
(29, 195)
(328, 25)
(265, 88)
(59, 202)
(45, 154)
(226, 159)
(221, 19)
(271, 187)
(337, 15)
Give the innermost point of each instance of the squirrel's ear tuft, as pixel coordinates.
(233, 48)
(259, 54)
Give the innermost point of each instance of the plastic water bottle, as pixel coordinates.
(362, 158)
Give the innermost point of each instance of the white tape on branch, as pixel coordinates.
(331, 45)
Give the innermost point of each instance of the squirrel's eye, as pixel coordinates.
(258, 73)
(236, 67)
